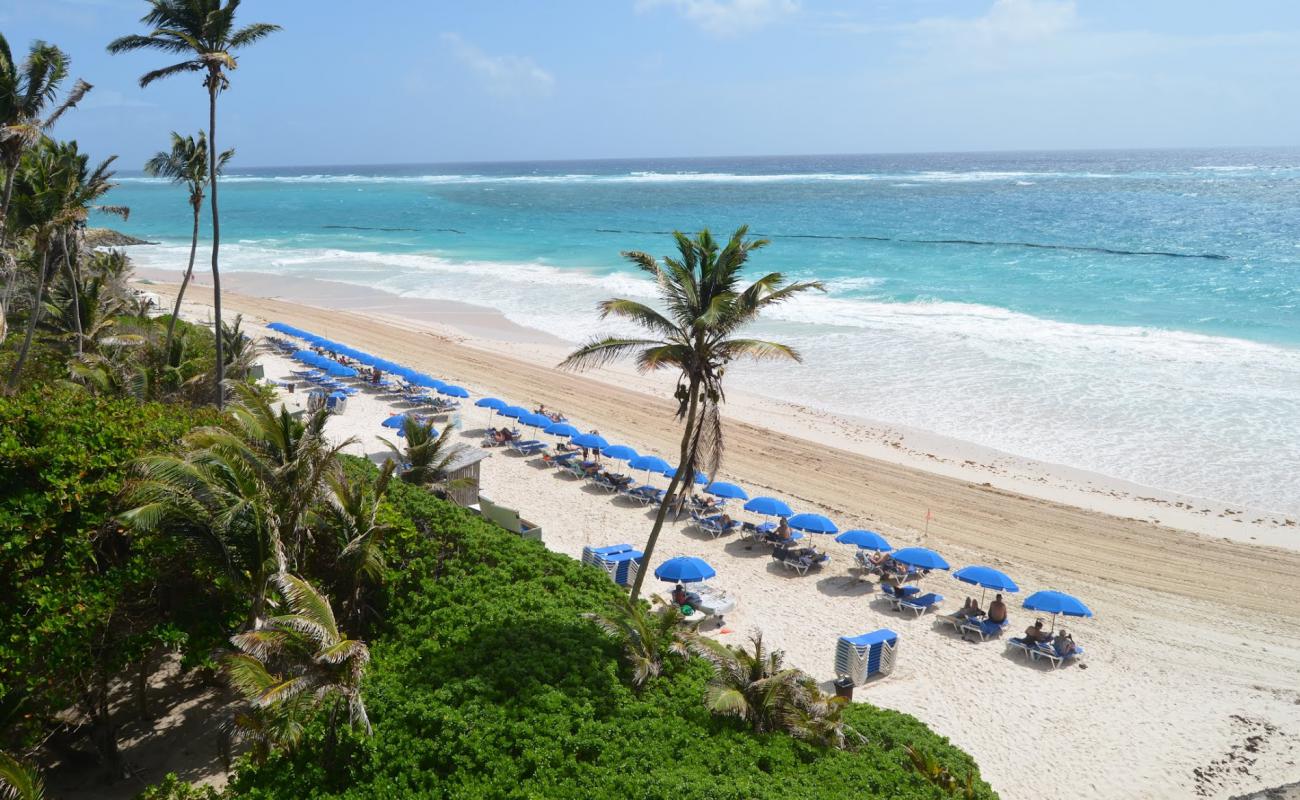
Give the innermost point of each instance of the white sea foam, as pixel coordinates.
(1208, 416)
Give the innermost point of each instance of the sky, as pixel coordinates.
(416, 81)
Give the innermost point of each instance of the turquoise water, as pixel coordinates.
(1143, 306)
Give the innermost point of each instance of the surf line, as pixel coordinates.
(966, 242)
(389, 230)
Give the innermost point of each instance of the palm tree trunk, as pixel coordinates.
(4, 205)
(683, 466)
(180, 294)
(256, 608)
(213, 85)
(76, 293)
(31, 322)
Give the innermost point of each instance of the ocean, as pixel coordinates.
(1136, 314)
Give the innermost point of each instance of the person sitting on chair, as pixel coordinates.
(1063, 644)
(971, 609)
(997, 611)
(679, 595)
(783, 532)
(1035, 634)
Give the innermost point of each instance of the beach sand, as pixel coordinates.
(1189, 688)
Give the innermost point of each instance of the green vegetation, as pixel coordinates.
(707, 307)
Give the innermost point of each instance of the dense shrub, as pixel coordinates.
(487, 683)
(82, 599)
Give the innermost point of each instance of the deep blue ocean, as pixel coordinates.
(1142, 308)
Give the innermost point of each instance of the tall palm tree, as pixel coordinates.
(351, 515)
(706, 308)
(58, 189)
(186, 163)
(204, 31)
(245, 493)
(301, 654)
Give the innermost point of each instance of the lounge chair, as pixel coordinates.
(983, 628)
(645, 494)
(1046, 650)
(490, 439)
(918, 604)
(528, 447)
(558, 459)
(713, 525)
(578, 469)
(613, 483)
(800, 559)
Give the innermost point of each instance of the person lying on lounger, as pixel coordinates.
(503, 436)
(1063, 644)
(997, 611)
(971, 609)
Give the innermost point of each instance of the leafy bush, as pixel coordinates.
(487, 682)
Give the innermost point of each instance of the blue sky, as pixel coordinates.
(396, 82)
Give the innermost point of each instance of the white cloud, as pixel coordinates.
(1013, 21)
(507, 75)
(113, 99)
(727, 17)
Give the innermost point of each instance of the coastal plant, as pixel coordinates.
(698, 334)
(56, 191)
(19, 780)
(302, 654)
(425, 457)
(646, 634)
(186, 164)
(243, 492)
(350, 516)
(204, 31)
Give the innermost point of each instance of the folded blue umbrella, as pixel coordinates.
(452, 391)
(867, 540)
(685, 569)
(727, 490)
(651, 463)
(986, 578)
(813, 523)
(921, 558)
(620, 452)
(768, 507)
(561, 429)
(491, 402)
(591, 441)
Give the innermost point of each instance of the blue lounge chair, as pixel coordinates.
(528, 447)
(646, 494)
(983, 627)
(917, 605)
(713, 525)
(799, 559)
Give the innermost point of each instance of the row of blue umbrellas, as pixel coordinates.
(411, 376)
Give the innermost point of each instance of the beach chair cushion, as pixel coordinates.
(919, 605)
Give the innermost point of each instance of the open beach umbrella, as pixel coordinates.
(768, 507)
(279, 327)
(490, 402)
(591, 441)
(339, 371)
(305, 356)
(452, 391)
(1051, 602)
(921, 558)
(684, 569)
(513, 412)
(619, 452)
(728, 490)
(562, 430)
(866, 540)
(812, 523)
(700, 477)
(986, 578)
(649, 464)
(535, 420)
(397, 421)
(421, 379)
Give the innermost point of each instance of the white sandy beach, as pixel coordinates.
(1189, 685)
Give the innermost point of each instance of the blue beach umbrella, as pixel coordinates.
(728, 490)
(866, 540)
(921, 558)
(397, 421)
(491, 402)
(700, 477)
(305, 356)
(421, 379)
(986, 578)
(339, 371)
(535, 420)
(513, 412)
(813, 523)
(649, 463)
(684, 569)
(1050, 602)
(562, 430)
(619, 452)
(452, 391)
(591, 441)
(278, 327)
(768, 507)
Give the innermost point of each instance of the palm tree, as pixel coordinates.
(57, 191)
(351, 514)
(706, 308)
(244, 493)
(302, 654)
(186, 163)
(203, 30)
(19, 781)
(758, 688)
(427, 455)
(646, 635)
